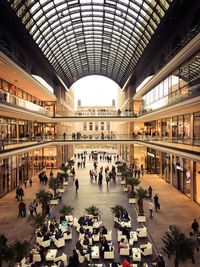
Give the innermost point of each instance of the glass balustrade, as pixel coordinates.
(6, 97)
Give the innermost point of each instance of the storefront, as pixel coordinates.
(181, 175)
(153, 161)
(197, 182)
(181, 129)
(166, 167)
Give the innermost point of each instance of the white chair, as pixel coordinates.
(46, 243)
(39, 239)
(141, 218)
(63, 258)
(120, 236)
(59, 243)
(68, 236)
(132, 200)
(36, 258)
(109, 255)
(95, 253)
(81, 258)
(124, 251)
(95, 238)
(69, 219)
(108, 236)
(146, 249)
(141, 232)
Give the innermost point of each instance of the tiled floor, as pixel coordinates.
(175, 208)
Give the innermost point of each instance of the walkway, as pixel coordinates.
(175, 208)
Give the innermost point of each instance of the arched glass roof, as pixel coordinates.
(85, 37)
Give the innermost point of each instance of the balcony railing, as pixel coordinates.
(7, 144)
(96, 113)
(173, 98)
(8, 98)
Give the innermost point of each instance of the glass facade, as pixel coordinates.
(197, 128)
(182, 84)
(166, 167)
(181, 175)
(153, 161)
(181, 129)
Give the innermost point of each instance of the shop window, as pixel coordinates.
(96, 126)
(5, 86)
(19, 92)
(85, 126)
(90, 126)
(102, 126)
(108, 126)
(13, 89)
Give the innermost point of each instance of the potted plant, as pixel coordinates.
(118, 209)
(126, 173)
(54, 184)
(20, 250)
(132, 182)
(93, 210)
(6, 253)
(178, 246)
(141, 195)
(44, 197)
(39, 220)
(66, 210)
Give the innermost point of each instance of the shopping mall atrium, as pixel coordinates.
(60, 119)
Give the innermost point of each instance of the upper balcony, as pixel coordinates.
(21, 145)
(95, 115)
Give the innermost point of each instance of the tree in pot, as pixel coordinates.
(126, 173)
(141, 194)
(6, 253)
(21, 250)
(93, 210)
(65, 168)
(44, 197)
(39, 220)
(54, 184)
(132, 182)
(178, 246)
(66, 210)
(117, 209)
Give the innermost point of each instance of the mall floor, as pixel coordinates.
(175, 209)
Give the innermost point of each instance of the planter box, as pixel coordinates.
(132, 200)
(141, 218)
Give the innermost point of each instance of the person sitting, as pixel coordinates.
(39, 233)
(126, 232)
(103, 245)
(95, 231)
(82, 220)
(122, 244)
(62, 218)
(126, 263)
(124, 216)
(103, 230)
(86, 240)
(82, 230)
(58, 234)
(88, 233)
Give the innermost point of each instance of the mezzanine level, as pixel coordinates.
(22, 145)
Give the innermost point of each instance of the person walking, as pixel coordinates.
(64, 136)
(3, 137)
(31, 208)
(76, 185)
(30, 182)
(156, 202)
(150, 190)
(22, 209)
(195, 228)
(151, 209)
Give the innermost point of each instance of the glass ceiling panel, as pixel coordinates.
(80, 37)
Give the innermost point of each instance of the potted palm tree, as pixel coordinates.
(141, 195)
(21, 250)
(93, 210)
(118, 209)
(54, 184)
(44, 197)
(132, 182)
(39, 220)
(66, 210)
(178, 246)
(6, 253)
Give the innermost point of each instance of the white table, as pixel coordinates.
(61, 190)
(122, 223)
(54, 202)
(136, 254)
(95, 252)
(51, 254)
(133, 237)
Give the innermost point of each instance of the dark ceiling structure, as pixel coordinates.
(92, 37)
